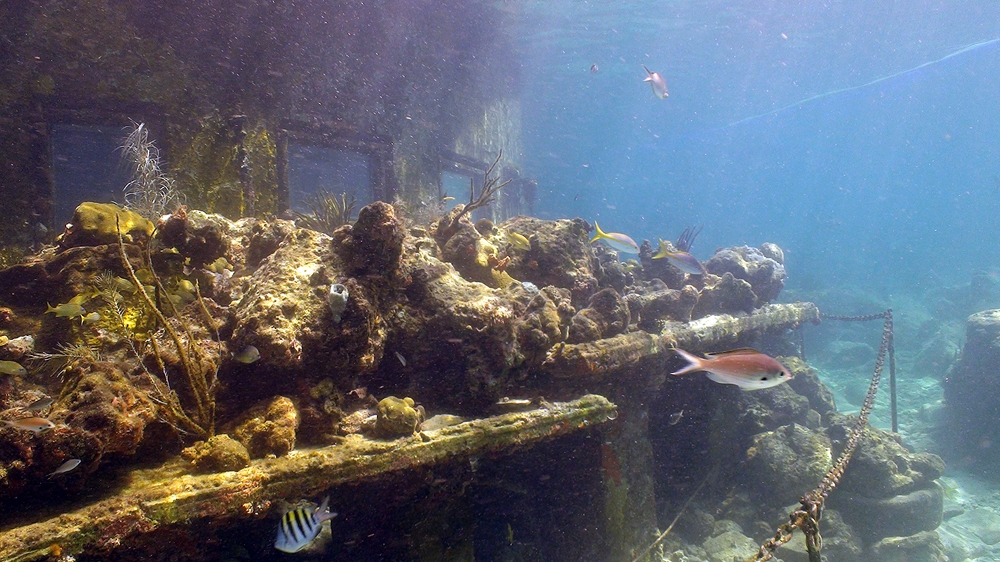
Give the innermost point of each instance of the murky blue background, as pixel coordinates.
(894, 186)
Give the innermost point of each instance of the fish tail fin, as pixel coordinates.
(695, 363)
(600, 234)
(323, 512)
(662, 252)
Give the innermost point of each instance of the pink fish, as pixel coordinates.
(747, 368)
(34, 425)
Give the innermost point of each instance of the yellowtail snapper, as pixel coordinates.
(681, 260)
(616, 240)
(301, 526)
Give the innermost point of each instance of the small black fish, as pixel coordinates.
(248, 355)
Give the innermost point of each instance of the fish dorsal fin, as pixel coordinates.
(737, 351)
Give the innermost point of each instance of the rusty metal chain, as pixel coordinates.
(806, 518)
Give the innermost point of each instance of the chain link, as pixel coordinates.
(807, 517)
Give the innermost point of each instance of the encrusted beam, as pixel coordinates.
(167, 495)
(600, 358)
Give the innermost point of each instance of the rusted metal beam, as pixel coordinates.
(168, 495)
(598, 359)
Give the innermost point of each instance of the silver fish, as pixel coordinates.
(402, 360)
(40, 404)
(65, 467)
(657, 82)
(301, 526)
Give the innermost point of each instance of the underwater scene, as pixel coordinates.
(509, 280)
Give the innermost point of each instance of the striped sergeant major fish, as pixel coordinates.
(301, 526)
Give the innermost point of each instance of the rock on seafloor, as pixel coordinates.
(269, 429)
(764, 273)
(972, 391)
(219, 454)
(397, 417)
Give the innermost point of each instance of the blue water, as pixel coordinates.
(894, 186)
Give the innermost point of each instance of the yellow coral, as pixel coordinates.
(101, 221)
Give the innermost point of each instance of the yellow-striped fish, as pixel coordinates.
(518, 240)
(616, 240)
(301, 526)
(681, 260)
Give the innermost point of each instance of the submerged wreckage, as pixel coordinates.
(536, 417)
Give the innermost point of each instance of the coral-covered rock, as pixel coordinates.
(560, 255)
(269, 429)
(107, 404)
(198, 236)
(397, 417)
(284, 307)
(359, 421)
(765, 274)
(606, 315)
(769, 409)
(468, 360)
(901, 515)
(881, 466)
(724, 295)
(786, 461)
(544, 322)
(654, 304)
(219, 454)
(264, 238)
(972, 391)
(806, 382)
(95, 224)
(729, 544)
(924, 546)
(887, 490)
(464, 247)
(374, 245)
(105, 415)
(54, 277)
(610, 272)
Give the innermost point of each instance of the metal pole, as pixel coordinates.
(892, 382)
